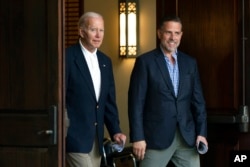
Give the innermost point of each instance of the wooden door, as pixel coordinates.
(31, 83)
(213, 34)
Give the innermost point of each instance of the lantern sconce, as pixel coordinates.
(128, 28)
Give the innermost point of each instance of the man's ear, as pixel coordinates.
(158, 33)
(81, 32)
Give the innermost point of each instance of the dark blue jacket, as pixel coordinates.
(87, 115)
(155, 112)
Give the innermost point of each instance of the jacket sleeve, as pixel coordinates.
(136, 99)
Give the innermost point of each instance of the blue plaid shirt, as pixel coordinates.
(173, 72)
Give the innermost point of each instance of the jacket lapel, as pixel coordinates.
(84, 70)
(160, 60)
(181, 65)
(102, 66)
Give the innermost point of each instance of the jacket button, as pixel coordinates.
(97, 106)
(96, 123)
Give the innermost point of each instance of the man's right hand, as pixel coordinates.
(139, 149)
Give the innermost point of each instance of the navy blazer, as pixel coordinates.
(155, 112)
(87, 115)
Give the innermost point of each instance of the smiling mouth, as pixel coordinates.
(96, 41)
(172, 44)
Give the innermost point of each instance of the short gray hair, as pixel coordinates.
(86, 16)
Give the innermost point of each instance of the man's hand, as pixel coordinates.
(139, 149)
(120, 138)
(201, 139)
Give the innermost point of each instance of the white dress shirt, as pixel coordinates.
(92, 62)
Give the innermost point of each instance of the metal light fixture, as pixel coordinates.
(128, 18)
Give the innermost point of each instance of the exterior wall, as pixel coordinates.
(122, 67)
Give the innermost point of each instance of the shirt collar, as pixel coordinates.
(174, 55)
(84, 50)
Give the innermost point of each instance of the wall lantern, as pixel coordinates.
(128, 18)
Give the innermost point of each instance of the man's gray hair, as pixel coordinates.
(86, 16)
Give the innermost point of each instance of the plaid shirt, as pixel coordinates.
(173, 72)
